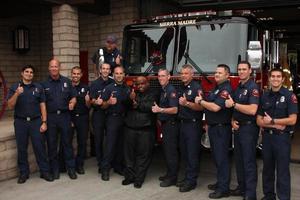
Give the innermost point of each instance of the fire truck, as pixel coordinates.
(203, 39)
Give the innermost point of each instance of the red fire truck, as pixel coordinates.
(203, 39)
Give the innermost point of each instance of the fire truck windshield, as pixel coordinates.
(208, 43)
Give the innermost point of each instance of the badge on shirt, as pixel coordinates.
(217, 91)
(65, 85)
(82, 90)
(189, 92)
(294, 99)
(282, 99)
(245, 92)
(255, 93)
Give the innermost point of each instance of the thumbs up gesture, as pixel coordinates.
(132, 95)
(267, 118)
(112, 100)
(87, 96)
(182, 100)
(229, 102)
(19, 89)
(99, 101)
(156, 108)
(198, 98)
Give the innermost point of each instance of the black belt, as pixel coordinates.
(58, 112)
(168, 121)
(117, 114)
(189, 120)
(219, 124)
(246, 122)
(29, 119)
(277, 132)
(79, 114)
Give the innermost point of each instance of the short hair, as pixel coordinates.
(246, 63)
(104, 64)
(276, 70)
(28, 67)
(187, 66)
(119, 66)
(167, 71)
(225, 67)
(76, 67)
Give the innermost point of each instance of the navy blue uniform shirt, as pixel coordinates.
(109, 58)
(278, 105)
(97, 87)
(58, 93)
(190, 91)
(168, 99)
(218, 96)
(121, 92)
(81, 91)
(246, 94)
(28, 102)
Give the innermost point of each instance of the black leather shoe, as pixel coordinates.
(218, 195)
(80, 170)
(138, 185)
(127, 181)
(22, 178)
(163, 177)
(180, 183)
(236, 192)
(56, 174)
(99, 170)
(186, 187)
(168, 182)
(72, 174)
(120, 172)
(105, 176)
(212, 186)
(46, 176)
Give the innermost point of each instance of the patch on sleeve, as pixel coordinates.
(255, 93)
(173, 95)
(294, 99)
(224, 94)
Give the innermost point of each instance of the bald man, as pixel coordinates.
(139, 133)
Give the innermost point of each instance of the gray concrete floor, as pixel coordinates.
(91, 187)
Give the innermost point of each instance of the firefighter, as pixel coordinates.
(80, 117)
(60, 100)
(116, 100)
(218, 118)
(139, 133)
(109, 54)
(245, 103)
(277, 115)
(99, 115)
(30, 120)
(190, 117)
(167, 110)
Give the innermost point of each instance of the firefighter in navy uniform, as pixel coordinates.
(99, 114)
(277, 115)
(245, 103)
(116, 100)
(109, 54)
(167, 113)
(28, 100)
(60, 100)
(190, 117)
(218, 118)
(80, 117)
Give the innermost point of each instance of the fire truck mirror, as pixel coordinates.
(254, 54)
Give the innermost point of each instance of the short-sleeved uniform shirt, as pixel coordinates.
(246, 94)
(58, 93)
(218, 96)
(278, 105)
(190, 91)
(168, 99)
(28, 102)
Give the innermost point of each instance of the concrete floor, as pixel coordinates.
(91, 187)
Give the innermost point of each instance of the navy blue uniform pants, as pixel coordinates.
(59, 129)
(245, 141)
(81, 126)
(276, 156)
(220, 137)
(23, 130)
(98, 122)
(190, 141)
(113, 151)
(170, 145)
(138, 146)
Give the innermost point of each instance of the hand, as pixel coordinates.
(198, 98)
(267, 119)
(182, 100)
(19, 89)
(43, 128)
(156, 108)
(229, 102)
(99, 101)
(235, 125)
(71, 105)
(279, 127)
(118, 59)
(87, 97)
(132, 95)
(134, 104)
(112, 100)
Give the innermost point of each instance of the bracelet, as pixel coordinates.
(44, 122)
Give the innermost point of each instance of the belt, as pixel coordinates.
(117, 114)
(58, 112)
(168, 121)
(219, 124)
(277, 132)
(246, 122)
(189, 120)
(78, 114)
(29, 119)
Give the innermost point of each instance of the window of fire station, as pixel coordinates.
(211, 44)
(149, 50)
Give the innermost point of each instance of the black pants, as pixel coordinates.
(98, 122)
(138, 146)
